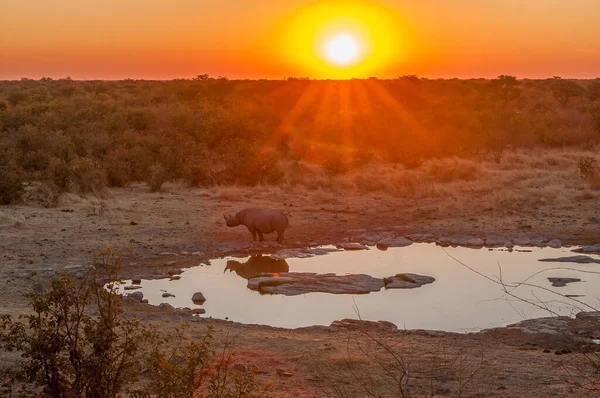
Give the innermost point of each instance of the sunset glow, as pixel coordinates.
(274, 39)
(342, 39)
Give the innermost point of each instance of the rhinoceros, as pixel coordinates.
(257, 265)
(260, 221)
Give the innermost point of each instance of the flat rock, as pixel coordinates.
(521, 240)
(137, 296)
(165, 295)
(444, 241)
(284, 254)
(134, 287)
(561, 282)
(572, 259)
(395, 283)
(296, 283)
(422, 237)
(494, 240)
(594, 315)
(352, 246)
(549, 325)
(470, 241)
(375, 237)
(361, 324)
(399, 241)
(460, 240)
(407, 281)
(591, 249)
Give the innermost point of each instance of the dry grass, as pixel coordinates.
(534, 177)
(7, 221)
(453, 169)
(593, 180)
(229, 193)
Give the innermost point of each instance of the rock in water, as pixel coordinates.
(561, 282)
(407, 281)
(137, 296)
(352, 246)
(198, 298)
(591, 249)
(394, 242)
(572, 259)
(296, 283)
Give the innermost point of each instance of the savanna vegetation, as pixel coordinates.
(82, 136)
(77, 342)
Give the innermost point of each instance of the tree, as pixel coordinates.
(506, 87)
(594, 90)
(563, 90)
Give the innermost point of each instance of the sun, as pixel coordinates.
(341, 39)
(342, 49)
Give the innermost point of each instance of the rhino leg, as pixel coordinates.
(260, 235)
(253, 232)
(279, 236)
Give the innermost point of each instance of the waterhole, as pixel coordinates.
(480, 293)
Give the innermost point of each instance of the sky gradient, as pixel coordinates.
(157, 39)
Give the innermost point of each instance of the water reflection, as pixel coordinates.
(257, 265)
(461, 298)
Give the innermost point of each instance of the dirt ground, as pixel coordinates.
(153, 228)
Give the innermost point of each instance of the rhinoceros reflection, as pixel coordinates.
(257, 265)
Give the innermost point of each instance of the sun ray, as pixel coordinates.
(402, 114)
(300, 108)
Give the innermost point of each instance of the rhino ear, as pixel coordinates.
(225, 216)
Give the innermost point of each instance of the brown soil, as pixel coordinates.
(323, 362)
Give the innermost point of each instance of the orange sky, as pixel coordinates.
(158, 39)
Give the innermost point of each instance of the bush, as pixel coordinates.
(157, 176)
(66, 350)
(123, 128)
(11, 184)
(589, 170)
(78, 342)
(87, 176)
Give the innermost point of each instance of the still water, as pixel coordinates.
(459, 300)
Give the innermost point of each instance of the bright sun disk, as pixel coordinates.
(342, 49)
